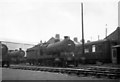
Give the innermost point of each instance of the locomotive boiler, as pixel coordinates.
(17, 56)
(66, 45)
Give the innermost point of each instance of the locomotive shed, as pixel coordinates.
(90, 72)
(59, 58)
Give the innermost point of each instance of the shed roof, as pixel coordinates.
(114, 36)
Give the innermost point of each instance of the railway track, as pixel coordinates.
(91, 71)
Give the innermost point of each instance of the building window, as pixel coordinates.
(93, 48)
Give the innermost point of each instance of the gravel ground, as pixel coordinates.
(17, 74)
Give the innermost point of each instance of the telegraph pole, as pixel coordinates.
(83, 51)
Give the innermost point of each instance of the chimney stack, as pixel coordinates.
(75, 39)
(57, 36)
(40, 41)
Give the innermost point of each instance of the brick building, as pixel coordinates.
(115, 37)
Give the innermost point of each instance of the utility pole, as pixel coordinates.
(83, 51)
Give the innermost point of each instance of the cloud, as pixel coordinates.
(35, 20)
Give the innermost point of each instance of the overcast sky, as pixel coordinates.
(34, 20)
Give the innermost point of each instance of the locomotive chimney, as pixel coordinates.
(75, 39)
(40, 41)
(66, 37)
(57, 36)
(20, 48)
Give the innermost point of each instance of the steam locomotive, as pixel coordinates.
(60, 53)
(11, 56)
(17, 56)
